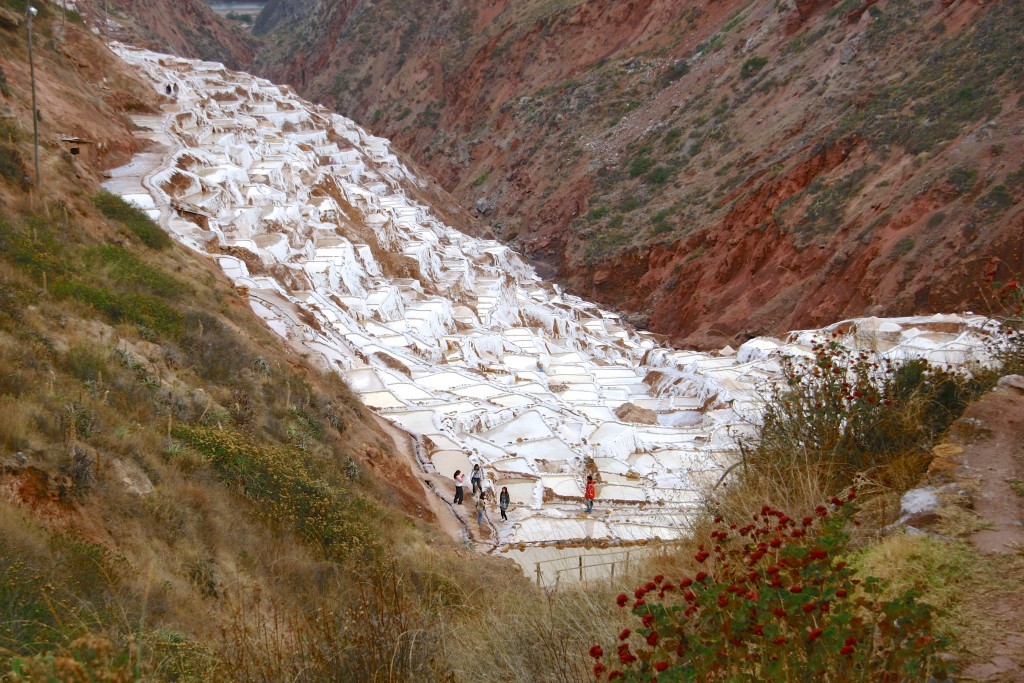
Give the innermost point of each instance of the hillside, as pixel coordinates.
(185, 27)
(716, 170)
(182, 496)
(191, 488)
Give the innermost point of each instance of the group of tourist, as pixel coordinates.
(476, 479)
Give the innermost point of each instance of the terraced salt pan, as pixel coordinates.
(476, 356)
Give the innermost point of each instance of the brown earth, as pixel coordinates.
(984, 456)
(716, 170)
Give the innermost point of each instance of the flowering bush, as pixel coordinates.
(1007, 342)
(852, 410)
(773, 603)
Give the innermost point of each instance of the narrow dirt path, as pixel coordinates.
(458, 522)
(987, 445)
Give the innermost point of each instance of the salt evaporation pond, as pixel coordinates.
(454, 338)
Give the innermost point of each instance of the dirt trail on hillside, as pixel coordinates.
(991, 467)
(435, 488)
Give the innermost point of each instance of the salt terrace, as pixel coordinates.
(453, 338)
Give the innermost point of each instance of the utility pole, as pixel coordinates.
(31, 12)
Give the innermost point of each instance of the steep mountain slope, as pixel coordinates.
(717, 169)
(185, 27)
(182, 497)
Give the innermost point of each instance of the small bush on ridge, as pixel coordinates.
(853, 410)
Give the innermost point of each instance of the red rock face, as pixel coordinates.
(713, 170)
(185, 27)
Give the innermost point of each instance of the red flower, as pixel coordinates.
(814, 635)
(612, 675)
(652, 639)
(701, 576)
(780, 640)
(774, 569)
(689, 596)
(660, 666)
(796, 589)
(775, 542)
(596, 652)
(686, 583)
(809, 607)
(658, 579)
(647, 620)
(639, 592)
(723, 600)
(702, 555)
(846, 650)
(622, 599)
(779, 612)
(753, 596)
(650, 585)
(837, 502)
(818, 554)
(851, 640)
(598, 669)
(797, 533)
(624, 634)
(821, 511)
(807, 521)
(639, 602)
(825, 607)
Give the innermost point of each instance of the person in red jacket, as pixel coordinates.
(590, 493)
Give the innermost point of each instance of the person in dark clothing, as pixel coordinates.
(503, 501)
(459, 492)
(477, 479)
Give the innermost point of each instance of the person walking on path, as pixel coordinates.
(459, 478)
(503, 501)
(477, 479)
(590, 493)
(481, 503)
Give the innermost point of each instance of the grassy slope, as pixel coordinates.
(180, 497)
(264, 549)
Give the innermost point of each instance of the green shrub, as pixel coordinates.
(640, 164)
(774, 604)
(135, 307)
(133, 218)
(11, 166)
(659, 175)
(847, 411)
(902, 248)
(752, 66)
(597, 213)
(996, 201)
(962, 178)
(936, 219)
(674, 71)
